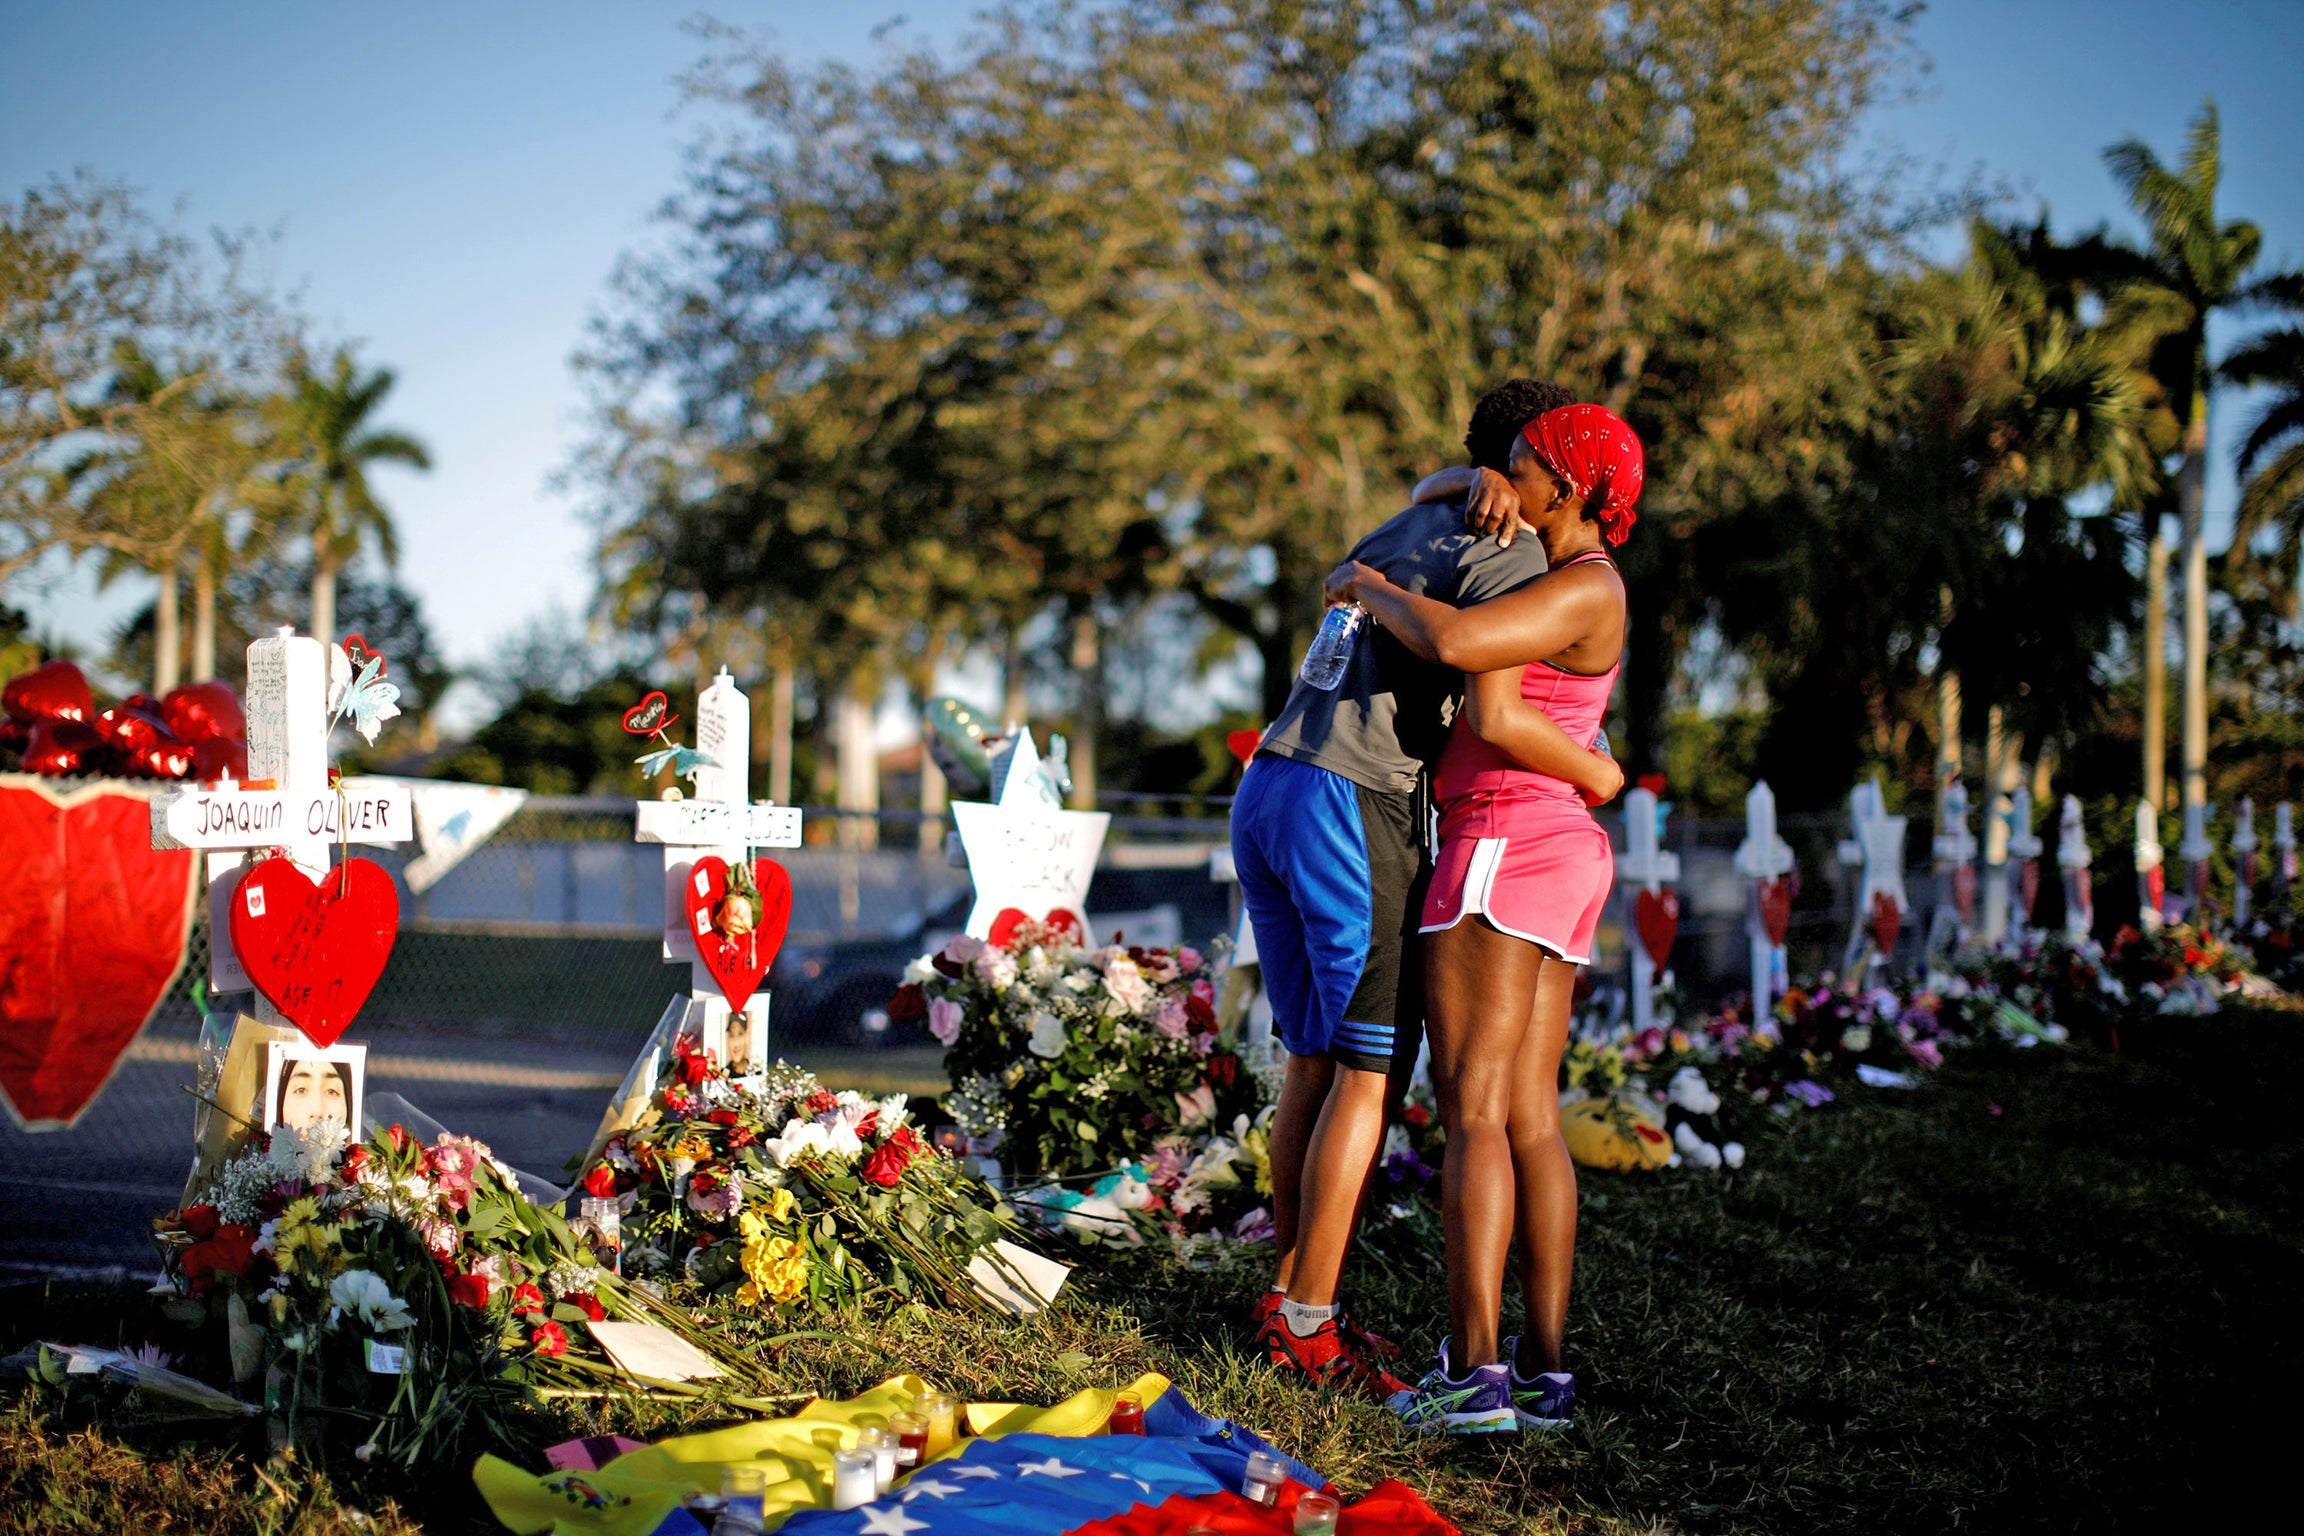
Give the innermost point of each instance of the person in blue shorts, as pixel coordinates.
(1329, 835)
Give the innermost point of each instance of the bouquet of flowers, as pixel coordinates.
(1074, 1060)
(402, 1297)
(794, 1196)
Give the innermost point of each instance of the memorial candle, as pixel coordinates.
(1260, 1484)
(1127, 1415)
(911, 1439)
(943, 1415)
(855, 1478)
(882, 1444)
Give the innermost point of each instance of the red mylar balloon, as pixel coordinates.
(61, 747)
(197, 712)
(220, 757)
(1243, 744)
(168, 759)
(55, 690)
(14, 733)
(1007, 920)
(92, 922)
(135, 723)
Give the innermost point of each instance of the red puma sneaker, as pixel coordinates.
(1327, 1359)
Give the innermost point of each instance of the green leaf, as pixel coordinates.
(1073, 1361)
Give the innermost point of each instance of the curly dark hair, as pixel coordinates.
(1502, 412)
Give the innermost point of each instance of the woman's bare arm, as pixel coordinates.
(1540, 622)
(1490, 503)
(1449, 484)
(1500, 716)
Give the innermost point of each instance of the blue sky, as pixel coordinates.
(454, 184)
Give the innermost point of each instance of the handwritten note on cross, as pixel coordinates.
(287, 708)
(722, 819)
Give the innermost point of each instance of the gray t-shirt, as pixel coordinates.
(1389, 718)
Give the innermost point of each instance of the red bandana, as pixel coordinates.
(1599, 455)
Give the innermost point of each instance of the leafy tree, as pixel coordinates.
(327, 411)
(2271, 457)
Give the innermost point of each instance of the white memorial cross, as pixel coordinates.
(1877, 850)
(2243, 861)
(2072, 857)
(2151, 879)
(1646, 867)
(2197, 851)
(722, 819)
(1025, 851)
(2024, 847)
(1955, 852)
(287, 710)
(2284, 850)
(1760, 858)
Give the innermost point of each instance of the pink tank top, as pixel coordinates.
(1473, 769)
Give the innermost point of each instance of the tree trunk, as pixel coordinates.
(2191, 484)
(203, 621)
(324, 601)
(1014, 708)
(1280, 654)
(2153, 643)
(772, 728)
(933, 800)
(1947, 706)
(1088, 727)
(167, 636)
(859, 762)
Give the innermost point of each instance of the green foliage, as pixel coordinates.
(553, 745)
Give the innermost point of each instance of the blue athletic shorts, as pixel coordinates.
(1332, 875)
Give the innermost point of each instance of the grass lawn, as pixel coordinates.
(2054, 1290)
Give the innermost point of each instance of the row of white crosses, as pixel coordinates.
(287, 710)
(720, 818)
(2196, 850)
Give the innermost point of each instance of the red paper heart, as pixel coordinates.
(357, 653)
(93, 921)
(2156, 887)
(2028, 883)
(61, 747)
(650, 715)
(54, 690)
(738, 964)
(1008, 919)
(315, 950)
(1657, 915)
(1776, 905)
(1964, 890)
(1887, 922)
(199, 712)
(1244, 743)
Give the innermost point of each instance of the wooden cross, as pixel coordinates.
(1647, 867)
(722, 819)
(287, 709)
(1762, 857)
(2243, 861)
(2024, 848)
(1955, 852)
(2151, 881)
(2072, 858)
(1877, 850)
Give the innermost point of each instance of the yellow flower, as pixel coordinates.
(775, 1268)
(781, 1205)
(692, 1147)
(303, 1244)
(1258, 1145)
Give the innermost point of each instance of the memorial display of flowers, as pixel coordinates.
(1071, 1061)
(397, 1300)
(794, 1196)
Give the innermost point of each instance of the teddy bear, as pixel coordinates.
(1690, 1111)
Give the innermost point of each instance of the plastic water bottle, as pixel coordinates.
(1331, 648)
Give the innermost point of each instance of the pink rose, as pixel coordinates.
(1171, 1020)
(1188, 960)
(963, 948)
(1205, 990)
(944, 1018)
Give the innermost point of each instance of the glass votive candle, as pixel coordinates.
(606, 1219)
(855, 1478)
(911, 1431)
(1317, 1514)
(882, 1444)
(1261, 1483)
(1127, 1415)
(744, 1493)
(943, 1416)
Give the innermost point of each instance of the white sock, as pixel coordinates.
(1303, 1320)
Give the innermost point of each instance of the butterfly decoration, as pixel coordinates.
(356, 689)
(650, 717)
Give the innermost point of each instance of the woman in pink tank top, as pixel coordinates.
(1517, 891)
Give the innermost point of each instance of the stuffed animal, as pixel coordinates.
(1100, 1215)
(1623, 1129)
(1690, 1106)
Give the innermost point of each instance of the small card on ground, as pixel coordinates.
(645, 1349)
(1044, 1277)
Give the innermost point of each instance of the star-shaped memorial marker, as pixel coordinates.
(1027, 854)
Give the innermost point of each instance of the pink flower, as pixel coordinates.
(1925, 1052)
(1188, 960)
(944, 1016)
(1205, 990)
(1171, 1020)
(1194, 1107)
(963, 948)
(442, 1237)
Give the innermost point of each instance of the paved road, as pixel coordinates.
(83, 1200)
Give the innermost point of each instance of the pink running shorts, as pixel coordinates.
(1538, 869)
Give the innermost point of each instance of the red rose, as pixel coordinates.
(1416, 1114)
(740, 1137)
(909, 1005)
(549, 1338)
(948, 967)
(468, 1290)
(821, 1100)
(910, 1141)
(1223, 1070)
(601, 1181)
(695, 1067)
(589, 1305)
(868, 1127)
(526, 1298)
(400, 1137)
(201, 1222)
(354, 1160)
(886, 1165)
(232, 1251)
(1200, 1013)
(722, 1117)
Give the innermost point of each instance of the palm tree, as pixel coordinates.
(2271, 460)
(2191, 267)
(330, 413)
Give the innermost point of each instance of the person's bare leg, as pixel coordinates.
(1543, 1171)
(1478, 983)
(1303, 1097)
(1342, 1149)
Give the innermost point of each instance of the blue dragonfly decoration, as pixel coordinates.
(357, 690)
(649, 717)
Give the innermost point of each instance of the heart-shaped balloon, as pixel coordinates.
(1964, 890)
(54, 690)
(650, 715)
(2028, 885)
(220, 757)
(1887, 922)
(58, 748)
(315, 949)
(1776, 905)
(198, 712)
(135, 723)
(1657, 915)
(165, 759)
(1244, 744)
(1060, 919)
(737, 960)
